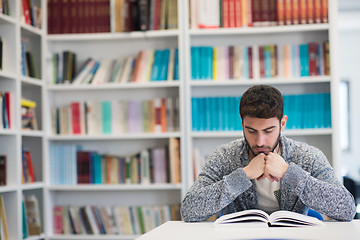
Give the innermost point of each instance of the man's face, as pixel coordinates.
(262, 134)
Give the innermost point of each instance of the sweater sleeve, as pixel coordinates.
(320, 190)
(215, 188)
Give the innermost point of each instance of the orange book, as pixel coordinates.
(295, 11)
(225, 13)
(30, 167)
(310, 11)
(231, 13)
(244, 13)
(324, 10)
(287, 9)
(303, 12)
(163, 115)
(317, 11)
(137, 67)
(281, 12)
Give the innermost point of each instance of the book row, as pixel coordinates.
(69, 166)
(31, 13)
(256, 13)
(147, 65)
(222, 113)
(145, 15)
(254, 62)
(31, 216)
(116, 220)
(28, 63)
(28, 173)
(7, 118)
(78, 16)
(117, 117)
(4, 7)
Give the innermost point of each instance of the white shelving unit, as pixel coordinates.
(12, 30)
(121, 45)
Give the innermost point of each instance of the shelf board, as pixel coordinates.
(31, 186)
(111, 86)
(97, 237)
(5, 189)
(41, 236)
(112, 36)
(261, 30)
(247, 82)
(236, 134)
(32, 133)
(126, 136)
(115, 187)
(8, 132)
(31, 81)
(7, 75)
(7, 19)
(31, 30)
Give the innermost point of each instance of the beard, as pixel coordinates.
(271, 149)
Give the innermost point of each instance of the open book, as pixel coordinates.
(257, 218)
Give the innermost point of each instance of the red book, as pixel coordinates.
(281, 12)
(256, 12)
(231, 13)
(50, 16)
(288, 12)
(238, 22)
(8, 101)
(295, 11)
(73, 16)
(31, 177)
(303, 12)
(261, 61)
(65, 16)
(313, 46)
(58, 219)
(310, 11)
(83, 167)
(157, 107)
(250, 58)
(26, 11)
(75, 117)
(225, 13)
(163, 115)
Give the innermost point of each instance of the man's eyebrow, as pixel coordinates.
(266, 129)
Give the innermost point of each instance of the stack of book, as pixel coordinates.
(28, 116)
(117, 117)
(265, 61)
(119, 220)
(256, 13)
(146, 66)
(221, 113)
(70, 166)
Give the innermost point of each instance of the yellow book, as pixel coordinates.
(28, 103)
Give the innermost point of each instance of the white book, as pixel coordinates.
(102, 72)
(194, 13)
(280, 61)
(119, 220)
(126, 73)
(120, 66)
(170, 73)
(115, 116)
(91, 217)
(82, 75)
(259, 218)
(255, 62)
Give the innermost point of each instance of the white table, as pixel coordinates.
(174, 230)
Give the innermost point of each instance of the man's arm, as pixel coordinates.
(320, 190)
(217, 186)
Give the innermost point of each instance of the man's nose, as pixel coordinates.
(260, 139)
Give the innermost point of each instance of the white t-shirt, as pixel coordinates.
(266, 197)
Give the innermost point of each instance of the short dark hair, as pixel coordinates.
(262, 101)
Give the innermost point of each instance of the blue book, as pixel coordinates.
(164, 65)
(193, 60)
(203, 63)
(202, 113)
(304, 59)
(96, 159)
(216, 113)
(196, 63)
(155, 66)
(207, 114)
(210, 55)
(106, 117)
(327, 109)
(238, 125)
(267, 61)
(221, 113)
(23, 58)
(176, 65)
(194, 114)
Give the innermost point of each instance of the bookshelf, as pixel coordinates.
(206, 141)
(121, 45)
(14, 139)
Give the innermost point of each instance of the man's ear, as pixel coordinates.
(283, 122)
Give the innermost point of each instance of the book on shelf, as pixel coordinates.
(259, 218)
(3, 170)
(146, 66)
(7, 110)
(259, 62)
(119, 220)
(256, 13)
(31, 13)
(70, 165)
(1, 53)
(33, 215)
(4, 7)
(4, 233)
(28, 115)
(28, 173)
(208, 116)
(117, 117)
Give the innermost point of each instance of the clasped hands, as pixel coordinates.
(271, 166)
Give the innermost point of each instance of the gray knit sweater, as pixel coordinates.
(223, 186)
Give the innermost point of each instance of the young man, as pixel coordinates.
(265, 170)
